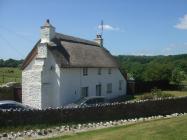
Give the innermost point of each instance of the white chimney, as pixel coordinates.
(99, 40)
(47, 32)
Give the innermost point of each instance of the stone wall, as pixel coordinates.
(7, 91)
(114, 111)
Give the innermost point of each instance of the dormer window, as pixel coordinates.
(85, 71)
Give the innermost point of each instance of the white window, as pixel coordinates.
(109, 71)
(109, 88)
(120, 84)
(84, 91)
(85, 71)
(98, 90)
(99, 71)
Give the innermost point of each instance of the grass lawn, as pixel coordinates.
(184, 82)
(164, 129)
(10, 75)
(177, 93)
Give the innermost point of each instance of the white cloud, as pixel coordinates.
(108, 27)
(182, 24)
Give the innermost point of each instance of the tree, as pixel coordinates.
(178, 76)
(157, 72)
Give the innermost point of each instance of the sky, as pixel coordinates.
(131, 27)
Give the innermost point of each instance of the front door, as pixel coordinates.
(98, 90)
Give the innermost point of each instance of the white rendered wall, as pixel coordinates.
(40, 81)
(72, 80)
(31, 85)
(50, 83)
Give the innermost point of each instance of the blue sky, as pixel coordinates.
(131, 27)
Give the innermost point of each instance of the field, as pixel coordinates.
(10, 75)
(164, 129)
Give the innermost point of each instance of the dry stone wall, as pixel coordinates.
(115, 111)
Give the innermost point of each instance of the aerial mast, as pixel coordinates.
(102, 24)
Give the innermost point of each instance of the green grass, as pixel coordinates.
(10, 75)
(177, 93)
(184, 82)
(164, 129)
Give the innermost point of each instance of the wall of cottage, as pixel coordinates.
(51, 83)
(40, 81)
(31, 85)
(72, 80)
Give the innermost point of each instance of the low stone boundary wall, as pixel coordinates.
(114, 111)
(62, 130)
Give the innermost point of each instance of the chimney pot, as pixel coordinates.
(99, 40)
(47, 21)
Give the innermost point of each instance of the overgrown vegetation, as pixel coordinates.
(155, 68)
(155, 93)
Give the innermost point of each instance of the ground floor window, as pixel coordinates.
(120, 84)
(109, 71)
(84, 91)
(109, 88)
(98, 90)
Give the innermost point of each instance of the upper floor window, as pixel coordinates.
(109, 71)
(85, 71)
(99, 71)
(109, 88)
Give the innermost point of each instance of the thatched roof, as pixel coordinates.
(77, 52)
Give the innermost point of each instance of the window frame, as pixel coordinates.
(99, 72)
(84, 92)
(120, 85)
(109, 88)
(109, 71)
(85, 71)
(98, 87)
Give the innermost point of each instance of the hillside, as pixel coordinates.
(149, 68)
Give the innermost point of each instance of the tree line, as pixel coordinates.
(10, 63)
(171, 68)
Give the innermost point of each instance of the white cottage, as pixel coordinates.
(61, 69)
